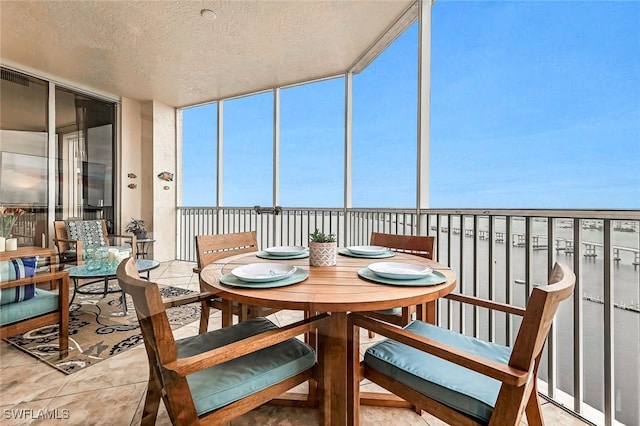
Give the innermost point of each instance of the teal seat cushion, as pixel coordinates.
(223, 384)
(457, 387)
(42, 303)
(392, 311)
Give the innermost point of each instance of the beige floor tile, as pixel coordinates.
(10, 356)
(111, 406)
(385, 416)
(30, 382)
(129, 367)
(26, 413)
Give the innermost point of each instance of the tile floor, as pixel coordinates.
(112, 392)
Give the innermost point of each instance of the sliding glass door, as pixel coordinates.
(83, 155)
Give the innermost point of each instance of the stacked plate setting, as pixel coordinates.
(285, 251)
(399, 271)
(263, 272)
(367, 250)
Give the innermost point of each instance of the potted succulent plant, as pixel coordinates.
(322, 249)
(138, 228)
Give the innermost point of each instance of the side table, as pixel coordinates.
(143, 246)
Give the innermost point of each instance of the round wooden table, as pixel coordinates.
(338, 290)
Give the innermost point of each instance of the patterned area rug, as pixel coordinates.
(98, 329)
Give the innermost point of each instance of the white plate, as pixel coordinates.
(285, 250)
(263, 272)
(367, 250)
(400, 271)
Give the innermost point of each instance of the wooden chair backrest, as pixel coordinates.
(213, 247)
(419, 245)
(154, 324)
(541, 309)
(60, 232)
(159, 343)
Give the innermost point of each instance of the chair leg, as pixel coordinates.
(244, 312)
(151, 400)
(533, 409)
(227, 313)
(371, 334)
(353, 375)
(204, 316)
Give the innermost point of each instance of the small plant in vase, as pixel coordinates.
(138, 228)
(322, 249)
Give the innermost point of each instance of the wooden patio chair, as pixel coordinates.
(43, 308)
(214, 377)
(418, 245)
(461, 379)
(214, 247)
(90, 232)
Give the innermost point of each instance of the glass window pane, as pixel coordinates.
(384, 127)
(199, 156)
(24, 152)
(312, 144)
(248, 151)
(85, 165)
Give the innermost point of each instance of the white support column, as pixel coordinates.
(424, 106)
(276, 146)
(348, 155)
(272, 236)
(219, 166)
(51, 163)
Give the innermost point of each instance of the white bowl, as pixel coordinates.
(400, 271)
(367, 250)
(263, 272)
(285, 250)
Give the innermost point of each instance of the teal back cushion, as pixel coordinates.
(16, 269)
(88, 231)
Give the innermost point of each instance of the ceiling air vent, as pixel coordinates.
(14, 77)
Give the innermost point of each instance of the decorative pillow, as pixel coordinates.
(16, 269)
(87, 231)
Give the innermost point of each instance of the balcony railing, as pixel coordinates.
(590, 363)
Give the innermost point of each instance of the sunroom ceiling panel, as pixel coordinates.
(165, 50)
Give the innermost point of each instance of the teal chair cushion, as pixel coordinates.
(42, 303)
(392, 311)
(457, 387)
(88, 231)
(223, 384)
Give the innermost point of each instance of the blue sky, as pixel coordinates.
(533, 105)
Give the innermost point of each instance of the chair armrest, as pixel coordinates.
(129, 237)
(64, 240)
(192, 364)
(502, 372)
(37, 278)
(184, 300)
(484, 303)
(78, 243)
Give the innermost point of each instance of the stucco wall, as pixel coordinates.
(130, 154)
(159, 155)
(148, 148)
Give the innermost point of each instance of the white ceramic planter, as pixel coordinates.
(323, 254)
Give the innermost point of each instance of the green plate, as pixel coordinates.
(265, 255)
(433, 278)
(347, 252)
(298, 276)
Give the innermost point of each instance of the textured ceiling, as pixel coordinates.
(166, 51)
